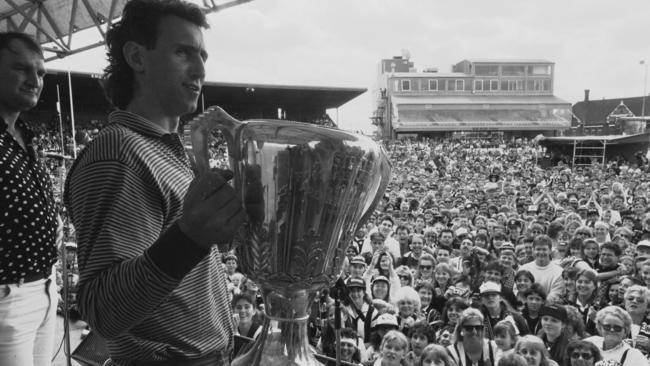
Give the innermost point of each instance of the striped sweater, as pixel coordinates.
(144, 286)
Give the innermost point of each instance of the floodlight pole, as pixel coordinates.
(645, 84)
(74, 141)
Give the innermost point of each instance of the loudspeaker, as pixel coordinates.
(91, 351)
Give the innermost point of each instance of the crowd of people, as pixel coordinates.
(477, 256)
(475, 232)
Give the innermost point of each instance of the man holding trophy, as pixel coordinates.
(151, 280)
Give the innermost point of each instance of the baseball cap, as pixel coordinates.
(385, 319)
(461, 231)
(556, 311)
(357, 259)
(644, 243)
(507, 246)
(380, 279)
(490, 287)
(356, 282)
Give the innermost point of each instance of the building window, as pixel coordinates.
(451, 86)
(512, 85)
(540, 70)
(536, 85)
(547, 85)
(406, 85)
(486, 70)
(433, 85)
(494, 85)
(519, 85)
(478, 85)
(460, 84)
(513, 70)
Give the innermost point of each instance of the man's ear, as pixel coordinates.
(134, 55)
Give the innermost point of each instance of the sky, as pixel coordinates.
(595, 44)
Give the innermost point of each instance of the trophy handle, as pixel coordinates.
(203, 125)
(385, 168)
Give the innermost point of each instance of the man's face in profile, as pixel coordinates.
(172, 73)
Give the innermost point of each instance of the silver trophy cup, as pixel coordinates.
(305, 189)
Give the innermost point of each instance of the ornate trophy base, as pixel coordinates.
(283, 338)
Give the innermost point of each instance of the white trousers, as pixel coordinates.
(27, 323)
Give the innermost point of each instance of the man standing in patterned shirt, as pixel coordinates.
(151, 280)
(28, 216)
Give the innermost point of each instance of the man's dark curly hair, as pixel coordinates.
(139, 24)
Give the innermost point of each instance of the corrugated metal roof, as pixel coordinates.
(478, 99)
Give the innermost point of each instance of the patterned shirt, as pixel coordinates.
(29, 220)
(143, 285)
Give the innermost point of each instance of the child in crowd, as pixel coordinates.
(435, 355)
(505, 337)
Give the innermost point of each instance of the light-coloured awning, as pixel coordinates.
(479, 99)
(481, 126)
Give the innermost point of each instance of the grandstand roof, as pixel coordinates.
(242, 100)
(598, 110)
(283, 95)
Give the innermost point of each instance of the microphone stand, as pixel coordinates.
(66, 316)
(337, 323)
(64, 264)
(67, 280)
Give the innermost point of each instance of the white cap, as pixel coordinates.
(490, 287)
(461, 231)
(385, 319)
(644, 243)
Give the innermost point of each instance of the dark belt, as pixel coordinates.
(28, 278)
(211, 359)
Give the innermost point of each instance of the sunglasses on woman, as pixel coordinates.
(473, 328)
(612, 328)
(583, 355)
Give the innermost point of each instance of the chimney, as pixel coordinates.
(586, 95)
